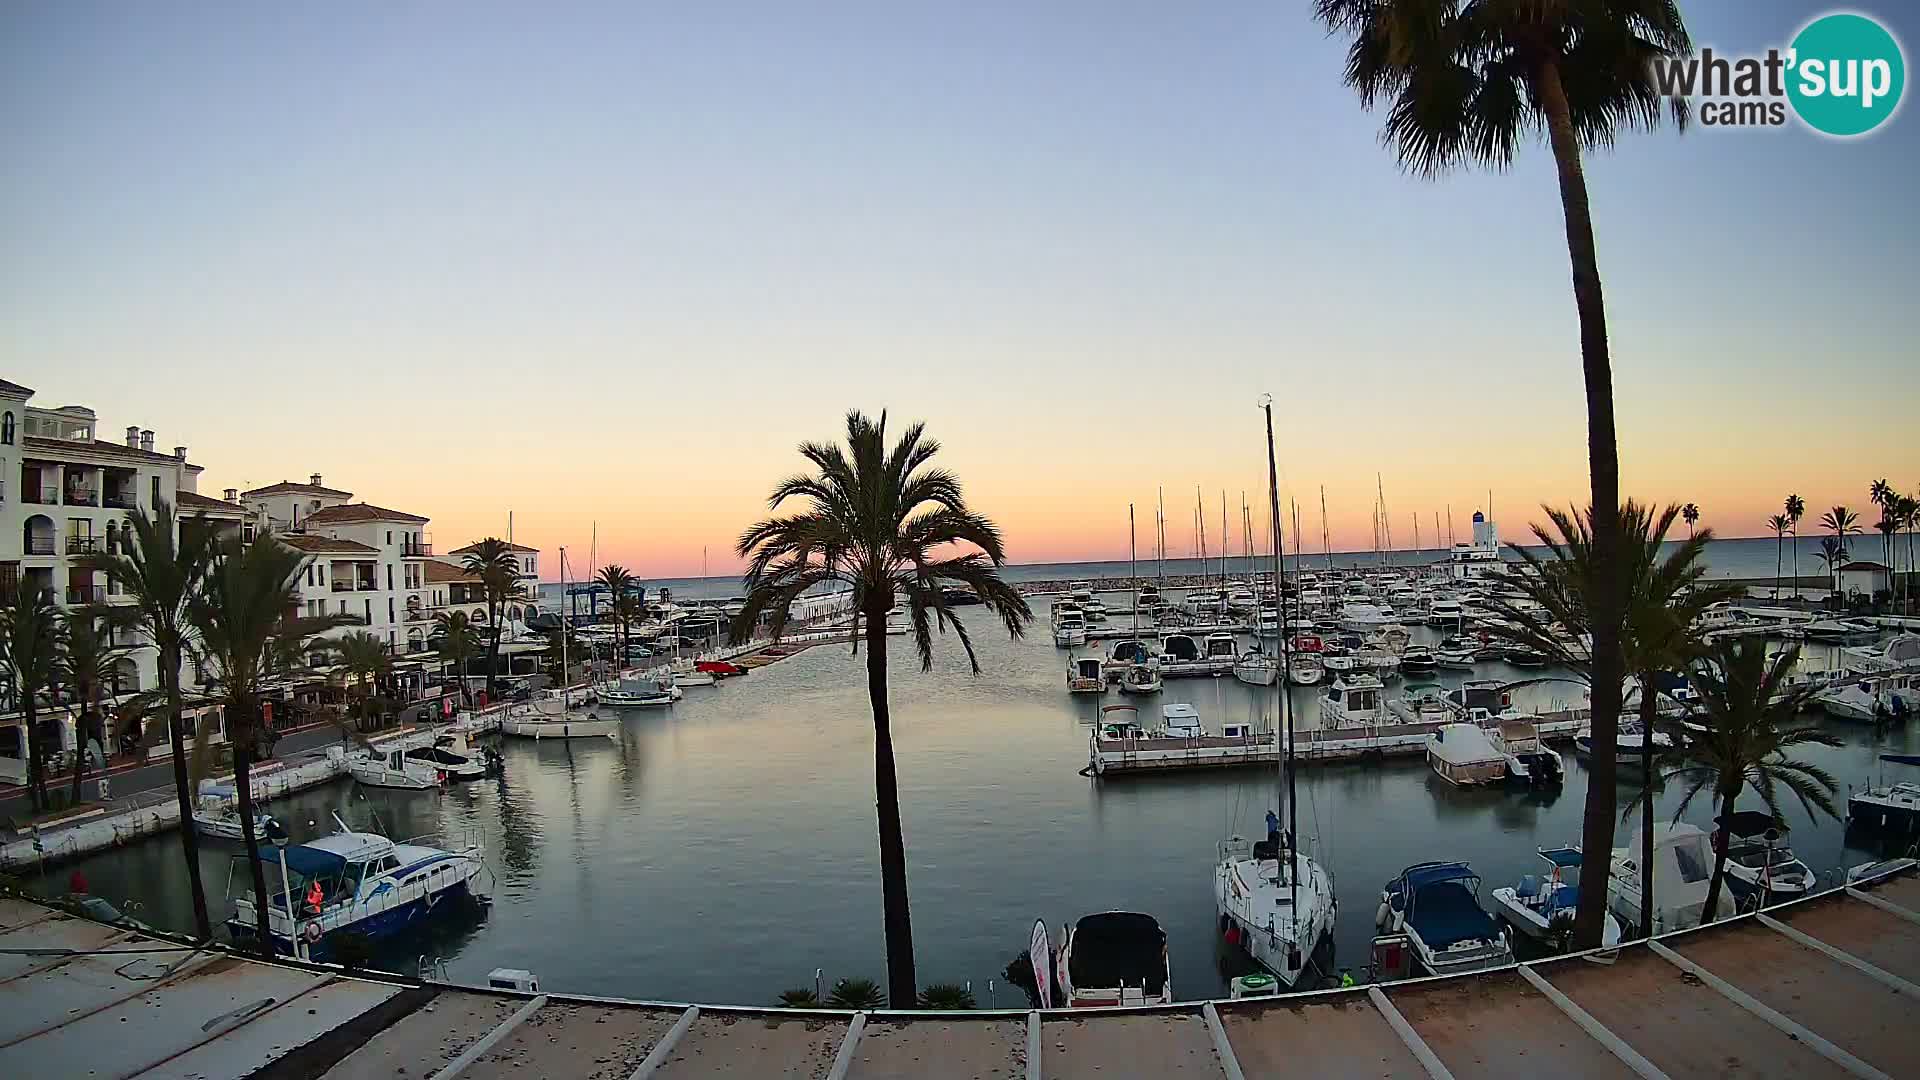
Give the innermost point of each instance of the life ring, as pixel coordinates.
(312, 933)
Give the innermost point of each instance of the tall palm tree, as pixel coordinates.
(90, 665)
(493, 563)
(1779, 524)
(1833, 555)
(1889, 529)
(1882, 494)
(159, 570)
(31, 656)
(614, 578)
(630, 608)
(1691, 514)
(882, 523)
(365, 658)
(1466, 81)
(244, 619)
(1796, 508)
(1842, 523)
(1665, 597)
(459, 641)
(1745, 704)
(1908, 507)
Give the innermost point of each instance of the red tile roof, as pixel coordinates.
(439, 573)
(288, 487)
(194, 502)
(324, 544)
(111, 449)
(510, 547)
(347, 513)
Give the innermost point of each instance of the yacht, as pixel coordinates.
(1899, 652)
(1418, 660)
(1070, 631)
(1220, 647)
(1455, 657)
(216, 814)
(1891, 809)
(1266, 622)
(1478, 700)
(1181, 721)
(394, 769)
(1141, 679)
(640, 692)
(1125, 653)
(1113, 958)
(1682, 868)
(1257, 668)
(1437, 906)
(1179, 649)
(1761, 869)
(1534, 904)
(1352, 701)
(369, 885)
(1358, 615)
(1871, 700)
(1530, 762)
(1305, 669)
(1276, 904)
(1446, 612)
(1086, 675)
(1463, 754)
(550, 718)
(453, 755)
(1630, 746)
(686, 671)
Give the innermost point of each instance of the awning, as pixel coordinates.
(306, 861)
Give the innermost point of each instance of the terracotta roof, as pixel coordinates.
(1866, 566)
(198, 503)
(288, 487)
(111, 449)
(439, 573)
(14, 388)
(352, 512)
(324, 544)
(510, 547)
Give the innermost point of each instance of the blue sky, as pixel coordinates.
(565, 259)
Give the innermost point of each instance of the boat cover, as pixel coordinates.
(1117, 948)
(1446, 913)
(1561, 856)
(306, 861)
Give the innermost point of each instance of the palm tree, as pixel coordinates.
(1833, 556)
(1466, 82)
(1779, 524)
(244, 618)
(159, 570)
(90, 665)
(459, 641)
(1796, 508)
(947, 997)
(1691, 514)
(1908, 508)
(614, 578)
(629, 609)
(1842, 523)
(1889, 528)
(492, 562)
(1881, 494)
(365, 658)
(857, 994)
(1745, 703)
(882, 523)
(1664, 600)
(30, 654)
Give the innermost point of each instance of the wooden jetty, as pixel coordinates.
(1157, 754)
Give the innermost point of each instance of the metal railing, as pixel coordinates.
(46, 496)
(82, 497)
(341, 586)
(125, 500)
(40, 545)
(86, 594)
(424, 547)
(82, 545)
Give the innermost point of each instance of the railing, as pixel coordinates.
(82, 497)
(424, 547)
(86, 594)
(122, 500)
(342, 586)
(40, 545)
(43, 496)
(369, 586)
(82, 545)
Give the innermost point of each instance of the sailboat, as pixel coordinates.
(554, 716)
(1273, 901)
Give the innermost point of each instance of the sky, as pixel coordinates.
(605, 266)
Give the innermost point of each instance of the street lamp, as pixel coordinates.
(277, 833)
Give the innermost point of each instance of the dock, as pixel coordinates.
(1121, 757)
(1824, 986)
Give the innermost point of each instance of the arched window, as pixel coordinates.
(6, 429)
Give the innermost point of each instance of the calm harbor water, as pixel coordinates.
(723, 850)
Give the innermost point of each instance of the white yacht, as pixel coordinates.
(1535, 904)
(1899, 652)
(1070, 631)
(1682, 869)
(1359, 616)
(456, 757)
(640, 692)
(1530, 761)
(1257, 668)
(216, 813)
(1870, 700)
(1220, 648)
(1141, 679)
(1437, 906)
(552, 718)
(394, 769)
(1305, 669)
(1113, 958)
(1266, 622)
(1352, 701)
(1275, 903)
(1444, 612)
(1463, 754)
(1086, 675)
(1181, 721)
(1890, 809)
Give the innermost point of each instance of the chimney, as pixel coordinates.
(314, 480)
(146, 439)
(179, 453)
(231, 495)
(133, 436)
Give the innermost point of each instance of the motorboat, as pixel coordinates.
(1070, 632)
(1874, 699)
(1535, 904)
(1205, 603)
(1463, 755)
(1478, 700)
(1358, 615)
(1352, 701)
(640, 692)
(458, 759)
(1455, 658)
(1418, 660)
(1141, 679)
(1086, 675)
(1220, 647)
(1890, 809)
(1266, 621)
(1761, 869)
(686, 672)
(540, 720)
(1382, 663)
(1179, 649)
(1423, 703)
(366, 884)
(1257, 668)
(1445, 612)
(1682, 870)
(1530, 762)
(1113, 958)
(1838, 631)
(1630, 745)
(1181, 721)
(1305, 669)
(1278, 918)
(394, 769)
(1437, 906)
(1899, 652)
(216, 814)
(1125, 653)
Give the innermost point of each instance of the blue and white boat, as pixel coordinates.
(1532, 905)
(369, 885)
(1436, 905)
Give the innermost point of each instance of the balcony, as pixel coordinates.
(86, 594)
(82, 497)
(83, 545)
(341, 586)
(43, 496)
(423, 548)
(122, 500)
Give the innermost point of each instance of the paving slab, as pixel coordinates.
(426, 1039)
(565, 1041)
(765, 1045)
(274, 1034)
(989, 1049)
(1884, 940)
(1497, 1025)
(1346, 1037)
(1102, 1046)
(1903, 890)
(63, 932)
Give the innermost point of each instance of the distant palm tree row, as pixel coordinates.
(1899, 518)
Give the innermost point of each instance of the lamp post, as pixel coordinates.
(277, 833)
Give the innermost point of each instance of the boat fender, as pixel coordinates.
(1381, 916)
(312, 933)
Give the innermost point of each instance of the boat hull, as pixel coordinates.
(561, 729)
(1867, 812)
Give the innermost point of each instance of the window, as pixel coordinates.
(6, 429)
(389, 537)
(343, 606)
(368, 604)
(309, 573)
(390, 617)
(1693, 868)
(389, 567)
(155, 504)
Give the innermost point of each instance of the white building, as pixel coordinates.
(363, 560)
(1868, 579)
(1472, 561)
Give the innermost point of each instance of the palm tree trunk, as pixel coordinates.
(1779, 549)
(79, 753)
(1719, 860)
(1649, 712)
(493, 652)
(902, 985)
(241, 728)
(36, 758)
(189, 836)
(1603, 460)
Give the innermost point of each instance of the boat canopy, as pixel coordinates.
(1425, 874)
(306, 861)
(1901, 759)
(1562, 857)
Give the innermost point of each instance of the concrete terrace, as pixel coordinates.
(1825, 987)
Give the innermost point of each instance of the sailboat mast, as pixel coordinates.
(1133, 570)
(1326, 544)
(1200, 533)
(1160, 552)
(1286, 712)
(1223, 536)
(564, 627)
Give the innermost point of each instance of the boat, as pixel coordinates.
(1463, 754)
(1535, 904)
(1124, 654)
(1898, 653)
(1530, 762)
(1423, 703)
(1437, 906)
(1113, 958)
(1874, 699)
(1444, 612)
(1086, 675)
(1305, 669)
(1141, 679)
(216, 814)
(1256, 668)
(640, 692)
(1890, 809)
(1418, 660)
(551, 718)
(1455, 658)
(1682, 868)
(1522, 657)
(1761, 869)
(1630, 746)
(687, 672)
(394, 769)
(1181, 721)
(1478, 700)
(1070, 631)
(1220, 647)
(727, 669)
(452, 754)
(1266, 622)
(368, 885)
(1838, 631)
(1352, 701)
(1179, 649)
(1359, 615)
